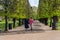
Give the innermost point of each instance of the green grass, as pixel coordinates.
(2, 25)
(58, 24)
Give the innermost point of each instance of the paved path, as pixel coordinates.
(40, 32)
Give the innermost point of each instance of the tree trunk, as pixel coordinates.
(50, 22)
(23, 21)
(41, 20)
(19, 22)
(14, 21)
(46, 21)
(6, 23)
(55, 22)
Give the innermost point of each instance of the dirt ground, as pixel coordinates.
(39, 32)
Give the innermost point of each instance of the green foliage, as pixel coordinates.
(43, 8)
(17, 8)
(34, 8)
(48, 8)
(22, 9)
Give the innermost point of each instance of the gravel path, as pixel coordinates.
(40, 32)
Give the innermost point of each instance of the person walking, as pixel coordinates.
(31, 22)
(26, 24)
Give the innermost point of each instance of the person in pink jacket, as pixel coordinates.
(31, 22)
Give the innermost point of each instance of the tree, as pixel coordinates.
(34, 8)
(16, 9)
(50, 9)
(43, 11)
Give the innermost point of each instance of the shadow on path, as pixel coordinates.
(22, 32)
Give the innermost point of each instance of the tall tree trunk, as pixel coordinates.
(19, 22)
(23, 21)
(55, 22)
(42, 20)
(50, 22)
(46, 21)
(14, 21)
(6, 23)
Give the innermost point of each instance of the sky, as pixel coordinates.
(34, 2)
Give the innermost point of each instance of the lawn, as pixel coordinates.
(58, 24)
(2, 25)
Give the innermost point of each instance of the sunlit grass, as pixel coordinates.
(58, 28)
(2, 24)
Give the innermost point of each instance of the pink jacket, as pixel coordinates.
(31, 21)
